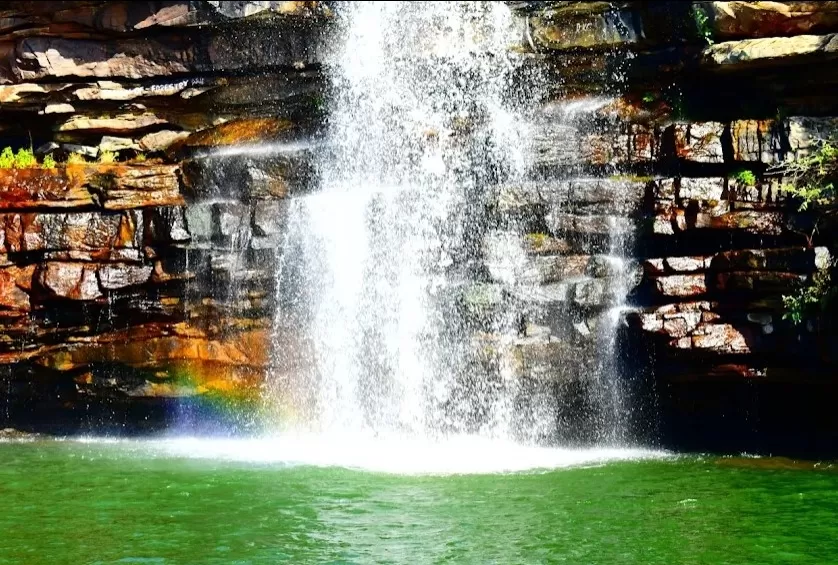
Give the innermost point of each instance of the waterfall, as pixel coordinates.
(424, 124)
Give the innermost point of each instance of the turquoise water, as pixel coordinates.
(72, 502)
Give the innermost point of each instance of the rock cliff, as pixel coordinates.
(141, 289)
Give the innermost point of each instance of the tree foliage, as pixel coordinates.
(811, 181)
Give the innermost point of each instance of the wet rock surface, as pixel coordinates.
(153, 278)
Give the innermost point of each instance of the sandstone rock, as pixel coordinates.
(680, 325)
(124, 187)
(235, 10)
(166, 226)
(681, 285)
(676, 320)
(88, 231)
(245, 177)
(751, 221)
(796, 259)
(736, 20)
(686, 264)
(199, 220)
(59, 109)
(83, 150)
(700, 142)
(722, 338)
(113, 277)
(691, 188)
(557, 29)
(765, 282)
(232, 221)
(592, 292)
(538, 244)
(534, 270)
(144, 346)
(74, 281)
(14, 282)
(639, 144)
(804, 133)
(614, 226)
(105, 255)
(161, 140)
(756, 53)
(543, 295)
(757, 140)
(269, 218)
(676, 265)
(119, 123)
(115, 144)
(21, 93)
(122, 16)
(107, 90)
(38, 188)
(240, 132)
(577, 196)
(37, 58)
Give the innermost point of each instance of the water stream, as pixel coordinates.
(424, 123)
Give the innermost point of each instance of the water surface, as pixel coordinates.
(175, 502)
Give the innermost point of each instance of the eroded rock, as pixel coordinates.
(73, 281)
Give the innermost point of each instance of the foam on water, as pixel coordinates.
(455, 455)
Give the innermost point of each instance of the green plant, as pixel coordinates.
(811, 179)
(76, 159)
(140, 158)
(811, 299)
(702, 24)
(7, 158)
(107, 157)
(648, 98)
(48, 162)
(745, 177)
(25, 159)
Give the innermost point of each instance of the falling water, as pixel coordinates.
(370, 339)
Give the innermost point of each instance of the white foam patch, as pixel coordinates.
(458, 455)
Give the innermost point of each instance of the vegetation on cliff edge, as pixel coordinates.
(811, 182)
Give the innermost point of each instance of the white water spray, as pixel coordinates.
(423, 125)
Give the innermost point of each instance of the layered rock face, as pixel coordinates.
(135, 292)
(138, 287)
(706, 91)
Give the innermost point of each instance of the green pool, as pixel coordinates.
(209, 502)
